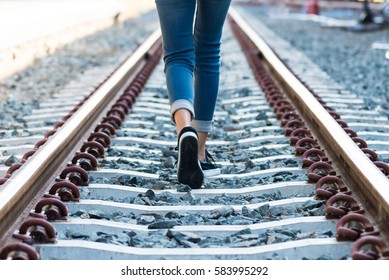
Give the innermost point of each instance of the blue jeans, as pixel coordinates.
(191, 43)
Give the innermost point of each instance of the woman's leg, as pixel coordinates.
(176, 21)
(210, 18)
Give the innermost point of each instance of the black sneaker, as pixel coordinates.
(189, 171)
(209, 166)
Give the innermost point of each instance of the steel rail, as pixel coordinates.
(29, 181)
(370, 184)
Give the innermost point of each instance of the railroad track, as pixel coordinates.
(294, 184)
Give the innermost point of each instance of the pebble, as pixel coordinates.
(11, 160)
(163, 224)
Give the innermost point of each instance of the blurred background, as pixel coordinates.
(32, 28)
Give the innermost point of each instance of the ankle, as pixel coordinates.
(202, 143)
(201, 155)
(182, 119)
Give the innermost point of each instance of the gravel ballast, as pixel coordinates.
(347, 56)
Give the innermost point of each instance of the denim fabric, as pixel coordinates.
(191, 34)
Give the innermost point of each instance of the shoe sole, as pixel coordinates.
(189, 170)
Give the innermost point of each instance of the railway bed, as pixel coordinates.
(286, 190)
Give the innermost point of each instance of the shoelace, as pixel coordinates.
(208, 161)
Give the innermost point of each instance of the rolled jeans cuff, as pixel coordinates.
(202, 126)
(181, 104)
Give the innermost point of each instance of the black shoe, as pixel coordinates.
(189, 171)
(209, 166)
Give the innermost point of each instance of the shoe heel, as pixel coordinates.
(196, 180)
(189, 171)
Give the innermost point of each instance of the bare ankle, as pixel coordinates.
(201, 155)
(202, 141)
(182, 118)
